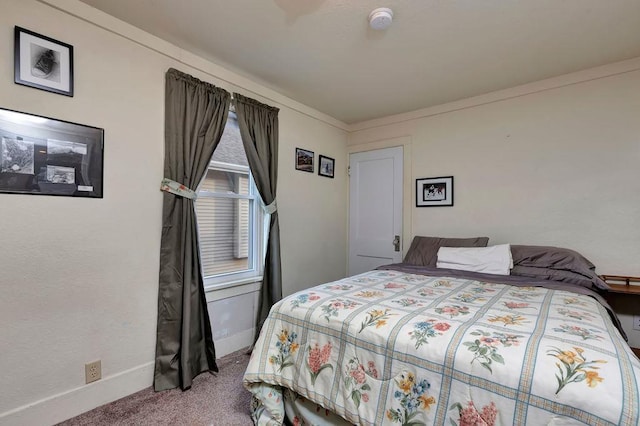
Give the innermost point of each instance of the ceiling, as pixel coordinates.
(323, 54)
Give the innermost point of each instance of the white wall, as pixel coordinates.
(313, 222)
(79, 277)
(551, 163)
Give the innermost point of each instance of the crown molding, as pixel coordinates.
(578, 77)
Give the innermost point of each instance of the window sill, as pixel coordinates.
(232, 288)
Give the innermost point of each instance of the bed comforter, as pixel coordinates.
(398, 347)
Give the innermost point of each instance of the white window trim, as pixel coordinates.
(226, 167)
(232, 289)
(258, 247)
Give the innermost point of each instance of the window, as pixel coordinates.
(229, 214)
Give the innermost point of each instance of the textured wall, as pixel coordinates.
(79, 277)
(552, 163)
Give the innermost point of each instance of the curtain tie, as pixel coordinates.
(176, 188)
(271, 208)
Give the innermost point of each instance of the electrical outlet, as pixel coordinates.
(93, 371)
(636, 322)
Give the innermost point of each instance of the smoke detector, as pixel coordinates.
(380, 18)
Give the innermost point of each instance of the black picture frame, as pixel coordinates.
(45, 156)
(43, 62)
(304, 160)
(326, 166)
(434, 192)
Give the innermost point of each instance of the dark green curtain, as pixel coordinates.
(195, 117)
(258, 125)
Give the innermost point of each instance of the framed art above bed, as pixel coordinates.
(434, 192)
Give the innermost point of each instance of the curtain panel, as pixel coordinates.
(195, 117)
(258, 125)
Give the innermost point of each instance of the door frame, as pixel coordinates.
(407, 187)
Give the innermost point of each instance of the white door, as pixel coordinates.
(375, 209)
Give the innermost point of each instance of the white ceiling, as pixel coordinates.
(322, 53)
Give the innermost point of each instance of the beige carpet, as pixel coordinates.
(216, 399)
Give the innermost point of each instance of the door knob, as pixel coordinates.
(396, 243)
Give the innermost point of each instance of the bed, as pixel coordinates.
(414, 344)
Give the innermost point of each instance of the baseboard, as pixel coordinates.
(233, 343)
(66, 405)
(63, 406)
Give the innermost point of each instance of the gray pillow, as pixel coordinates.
(551, 257)
(424, 250)
(556, 264)
(560, 275)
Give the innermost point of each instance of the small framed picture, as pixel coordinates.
(434, 192)
(326, 166)
(42, 62)
(304, 160)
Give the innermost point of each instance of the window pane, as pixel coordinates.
(225, 225)
(226, 182)
(224, 234)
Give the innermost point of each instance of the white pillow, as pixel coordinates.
(489, 260)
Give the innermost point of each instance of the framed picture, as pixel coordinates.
(326, 166)
(45, 156)
(434, 192)
(304, 160)
(42, 62)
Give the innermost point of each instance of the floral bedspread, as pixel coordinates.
(388, 347)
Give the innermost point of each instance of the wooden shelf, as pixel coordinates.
(622, 284)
